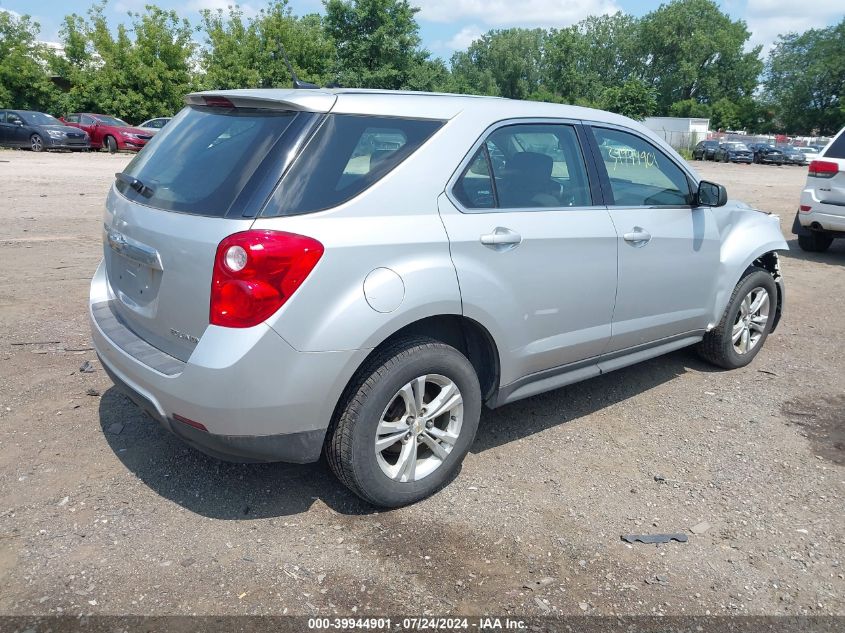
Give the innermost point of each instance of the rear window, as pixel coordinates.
(214, 161)
(348, 154)
(837, 148)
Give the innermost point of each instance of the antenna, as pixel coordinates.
(297, 83)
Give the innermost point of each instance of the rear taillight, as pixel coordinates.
(823, 169)
(805, 208)
(256, 272)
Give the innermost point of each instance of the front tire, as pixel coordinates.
(405, 423)
(111, 144)
(815, 242)
(36, 143)
(746, 323)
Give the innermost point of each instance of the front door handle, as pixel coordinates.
(501, 239)
(637, 237)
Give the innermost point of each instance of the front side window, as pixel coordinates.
(526, 166)
(86, 120)
(639, 173)
(11, 117)
(348, 154)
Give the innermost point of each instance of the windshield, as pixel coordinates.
(737, 146)
(209, 161)
(39, 118)
(110, 120)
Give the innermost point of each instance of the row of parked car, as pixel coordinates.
(738, 152)
(79, 131)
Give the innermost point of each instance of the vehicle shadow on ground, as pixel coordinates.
(533, 415)
(222, 490)
(834, 256)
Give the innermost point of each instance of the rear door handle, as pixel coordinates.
(501, 239)
(638, 236)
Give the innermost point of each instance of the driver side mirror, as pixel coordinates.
(18, 122)
(710, 194)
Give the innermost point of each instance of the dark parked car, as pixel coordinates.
(765, 153)
(734, 152)
(109, 132)
(792, 155)
(38, 131)
(705, 150)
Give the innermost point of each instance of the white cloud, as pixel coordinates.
(463, 38)
(199, 5)
(769, 18)
(535, 13)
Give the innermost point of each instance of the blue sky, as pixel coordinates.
(449, 25)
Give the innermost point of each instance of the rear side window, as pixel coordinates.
(2, 116)
(348, 154)
(837, 148)
(639, 173)
(72, 118)
(533, 166)
(209, 161)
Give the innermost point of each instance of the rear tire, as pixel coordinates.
(815, 242)
(386, 401)
(744, 324)
(111, 144)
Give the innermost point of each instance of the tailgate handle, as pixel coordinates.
(132, 249)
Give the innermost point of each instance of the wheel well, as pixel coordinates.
(770, 262)
(467, 336)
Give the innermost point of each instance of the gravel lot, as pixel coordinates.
(103, 512)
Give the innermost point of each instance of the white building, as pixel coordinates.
(679, 132)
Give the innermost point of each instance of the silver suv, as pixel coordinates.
(821, 213)
(295, 272)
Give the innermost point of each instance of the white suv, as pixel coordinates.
(821, 214)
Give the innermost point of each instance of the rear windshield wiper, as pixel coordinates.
(136, 184)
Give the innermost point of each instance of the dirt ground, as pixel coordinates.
(103, 512)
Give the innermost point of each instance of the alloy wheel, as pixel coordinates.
(751, 320)
(419, 428)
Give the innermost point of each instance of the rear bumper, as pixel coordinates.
(258, 398)
(822, 215)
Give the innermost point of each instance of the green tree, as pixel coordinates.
(24, 81)
(690, 108)
(248, 53)
(634, 99)
(697, 52)
(805, 81)
(507, 63)
(378, 45)
(725, 115)
(135, 73)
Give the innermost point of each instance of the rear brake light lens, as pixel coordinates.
(805, 208)
(256, 272)
(823, 169)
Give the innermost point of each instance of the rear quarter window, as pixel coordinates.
(347, 155)
(837, 148)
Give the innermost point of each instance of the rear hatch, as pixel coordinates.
(203, 177)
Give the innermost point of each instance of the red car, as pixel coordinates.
(108, 131)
